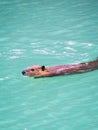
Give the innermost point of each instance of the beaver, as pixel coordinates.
(42, 71)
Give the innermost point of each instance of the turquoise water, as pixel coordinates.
(48, 32)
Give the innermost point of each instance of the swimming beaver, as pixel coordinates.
(42, 71)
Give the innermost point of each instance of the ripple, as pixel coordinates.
(14, 57)
(88, 44)
(44, 51)
(40, 51)
(1, 79)
(71, 42)
(17, 51)
(4, 39)
(71, 49)
(4, 78)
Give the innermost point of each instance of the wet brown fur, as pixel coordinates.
(42, 71)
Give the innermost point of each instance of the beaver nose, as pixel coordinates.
(23, 72)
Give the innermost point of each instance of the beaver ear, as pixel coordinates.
(43, 68)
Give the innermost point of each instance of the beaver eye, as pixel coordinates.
(32, 69)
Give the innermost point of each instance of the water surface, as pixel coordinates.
(50, 32)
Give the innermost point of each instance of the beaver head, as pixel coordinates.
(35, 71)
